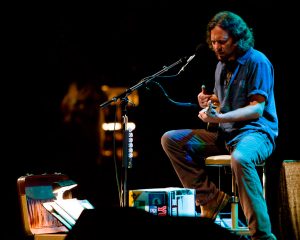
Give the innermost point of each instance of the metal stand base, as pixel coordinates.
(225, 220)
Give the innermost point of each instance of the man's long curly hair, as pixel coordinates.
(235, 26)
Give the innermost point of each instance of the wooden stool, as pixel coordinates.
(223, 161)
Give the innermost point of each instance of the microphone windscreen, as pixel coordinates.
(201, 48)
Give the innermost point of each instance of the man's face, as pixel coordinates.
(223, 45)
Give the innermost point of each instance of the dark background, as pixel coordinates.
(48, 46)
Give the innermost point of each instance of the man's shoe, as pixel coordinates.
(214, 206)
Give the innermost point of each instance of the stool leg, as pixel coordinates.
(264, 181)
(234, 205)
(219, 178)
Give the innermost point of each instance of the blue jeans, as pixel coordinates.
(187, 148)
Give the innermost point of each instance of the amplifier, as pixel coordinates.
(171, 201)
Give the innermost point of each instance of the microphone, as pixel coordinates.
(199, 48)
(187, 63)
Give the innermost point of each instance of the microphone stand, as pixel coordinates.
(126, 160)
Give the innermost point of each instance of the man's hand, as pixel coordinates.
(209, 114)
(203, 97)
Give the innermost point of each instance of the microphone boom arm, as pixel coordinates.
(141, 83)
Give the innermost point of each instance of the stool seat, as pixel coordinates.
(222, 160)
(218, 160)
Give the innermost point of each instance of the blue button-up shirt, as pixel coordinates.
(253, 75)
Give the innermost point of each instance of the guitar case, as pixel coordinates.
(38, 223)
